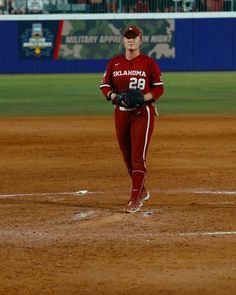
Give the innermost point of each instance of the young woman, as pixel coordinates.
(134, 126)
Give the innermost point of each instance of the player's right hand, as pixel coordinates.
(120, 100)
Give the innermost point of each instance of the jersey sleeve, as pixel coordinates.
(157, 85)
(106, 83)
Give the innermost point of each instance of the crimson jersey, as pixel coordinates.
(141, 72)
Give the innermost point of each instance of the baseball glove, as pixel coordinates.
(133, 98)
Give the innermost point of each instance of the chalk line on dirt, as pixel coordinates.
(78, 193)
(197, 191)
(162, 234)
(87, 192)
(182, 234)
(39, 234)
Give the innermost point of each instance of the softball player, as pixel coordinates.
(134, 126)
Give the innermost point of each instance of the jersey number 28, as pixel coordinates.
(137, 83)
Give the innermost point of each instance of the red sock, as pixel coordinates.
(138, 179)
(130, 172)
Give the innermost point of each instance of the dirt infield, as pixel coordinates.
(56, 241)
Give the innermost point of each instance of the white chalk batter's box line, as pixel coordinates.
(86, 192)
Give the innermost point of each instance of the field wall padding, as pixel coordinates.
(85, 46)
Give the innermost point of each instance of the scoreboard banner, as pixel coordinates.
(92, 39)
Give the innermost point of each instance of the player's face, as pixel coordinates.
(132, 42)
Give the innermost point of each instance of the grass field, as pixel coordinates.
(78, 94)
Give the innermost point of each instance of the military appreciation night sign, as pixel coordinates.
(96, 39)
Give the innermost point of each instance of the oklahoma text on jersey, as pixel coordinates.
(129, 73)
